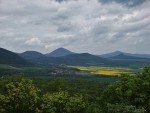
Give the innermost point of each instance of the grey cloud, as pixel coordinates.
(79, 25)
(60, 1)
(101, 29)
(129, 3)
(63, 28)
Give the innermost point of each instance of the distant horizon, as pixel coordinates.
(76, 52)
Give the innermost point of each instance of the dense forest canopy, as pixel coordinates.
(130, 94)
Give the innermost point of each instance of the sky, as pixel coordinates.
(93, 26)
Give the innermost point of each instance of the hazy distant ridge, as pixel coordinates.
(115, 53)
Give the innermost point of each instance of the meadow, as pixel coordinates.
(101, 70)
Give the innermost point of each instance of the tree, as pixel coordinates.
(121, 108)
(131, 90)
(20, 97)
(62, 102)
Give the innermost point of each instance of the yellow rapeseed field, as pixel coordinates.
(115, 71)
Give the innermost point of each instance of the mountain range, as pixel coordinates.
(60, 52)
(8, 57)
(64, 56)
(80, 59)
(32, 55)
(124, 56)
(115, 53)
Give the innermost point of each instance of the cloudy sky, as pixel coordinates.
(94, 26)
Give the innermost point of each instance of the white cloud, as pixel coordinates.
(79, 25)
(33, 42)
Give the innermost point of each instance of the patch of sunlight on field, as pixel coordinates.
(115, 71)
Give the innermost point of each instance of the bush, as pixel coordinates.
(20, 97)
(131, 90)
(62, 102)
(121, 108)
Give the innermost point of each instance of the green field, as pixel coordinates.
(67, 70)
(101, 70)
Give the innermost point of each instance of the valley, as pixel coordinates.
(76, 78)
(65, 62)
(74, 56)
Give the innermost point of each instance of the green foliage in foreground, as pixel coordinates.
(130, 94)
(24, 97)
(131, 90)
(62, 102)
(20, 97)
(121, 108)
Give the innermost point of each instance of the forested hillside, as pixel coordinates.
(8, 57)
(130, 94)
